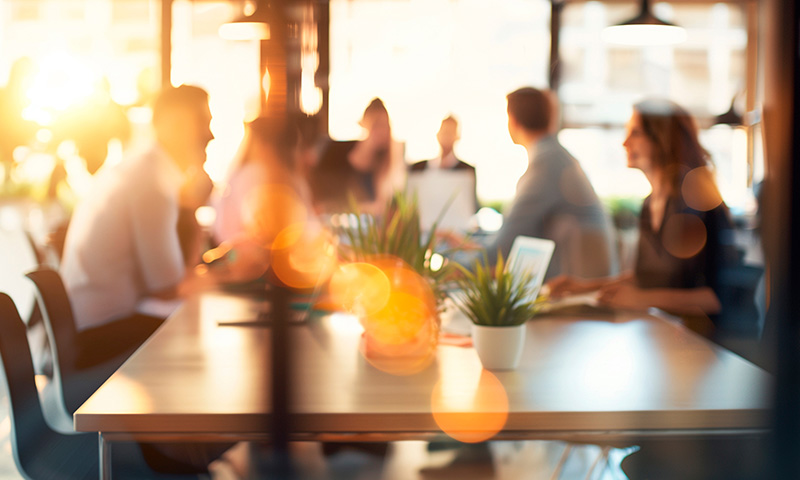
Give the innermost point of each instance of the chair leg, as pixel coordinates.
(604, 457)
(104, 450)
(561, 462)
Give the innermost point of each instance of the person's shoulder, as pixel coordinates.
(419, 166)
(461, 165)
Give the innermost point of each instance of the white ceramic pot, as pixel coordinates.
(499, 348)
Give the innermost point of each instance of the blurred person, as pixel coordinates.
(367, 169)
(134, 236)
(554, 199)
(91, 125)
(264, 182)
(267, 157)
(685, 229)
(447, 136)
(17, 130)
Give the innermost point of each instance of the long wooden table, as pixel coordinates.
(608, 378)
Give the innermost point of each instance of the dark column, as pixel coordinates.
(781, 229)
(554, 79)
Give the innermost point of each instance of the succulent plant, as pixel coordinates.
(496, 296)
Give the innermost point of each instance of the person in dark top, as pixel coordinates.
(685, 231)
(362, 169)
(447, 137)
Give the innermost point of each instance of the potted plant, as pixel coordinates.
(401, 335)
(397, 235)
(498, 302)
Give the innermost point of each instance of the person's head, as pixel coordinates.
(182, 122)
(448, 134)
(531, 113)
(376, 121)
(662, 137)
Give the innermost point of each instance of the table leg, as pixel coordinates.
(104, 449)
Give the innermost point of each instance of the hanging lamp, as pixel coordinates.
(645, 29)
(248, 27)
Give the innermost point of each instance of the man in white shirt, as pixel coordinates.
(135, 234)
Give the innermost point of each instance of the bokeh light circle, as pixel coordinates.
(467, 409)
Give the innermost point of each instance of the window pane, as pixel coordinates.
(430, 58)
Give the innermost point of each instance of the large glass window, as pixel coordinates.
(431, 58)
(228, 70)
(600, 82)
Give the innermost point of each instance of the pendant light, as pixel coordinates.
(645, 29)
(248, 27)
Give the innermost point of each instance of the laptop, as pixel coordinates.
(448, 191)
(532, 255)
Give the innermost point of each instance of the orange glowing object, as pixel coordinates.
(403, 319)
(684, 235)
(699, 190)
(359, 288)
(271, 209)
(470, 411)
(302, 258)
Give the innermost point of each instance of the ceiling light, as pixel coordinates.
(644, 29)
(247, 27)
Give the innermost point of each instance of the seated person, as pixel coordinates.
(447, 137)
(135, 235)
(445, 186)
(554, 199)
(366, 169)
(685, 230)
(262, 194)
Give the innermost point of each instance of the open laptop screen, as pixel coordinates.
(533, 255)
(434, 188)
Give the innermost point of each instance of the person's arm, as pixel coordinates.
(674, 300)
(194, 193)
(564, 285)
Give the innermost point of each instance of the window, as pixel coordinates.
(600, 82)
(427, 59)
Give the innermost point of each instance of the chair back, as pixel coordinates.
(28, 425)
(58, 319)
(17, 256)
(581, 250)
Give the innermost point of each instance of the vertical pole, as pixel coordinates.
(556, 6)
(751, 80)
(323, 72)
(166, 43)
(781, 227)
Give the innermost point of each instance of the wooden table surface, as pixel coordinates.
(620, 375)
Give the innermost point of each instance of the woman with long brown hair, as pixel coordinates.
(685, 231)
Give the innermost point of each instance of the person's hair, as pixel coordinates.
(673, 131)
(375, 106)
(450, 119)
(531, 108)
(171, 99)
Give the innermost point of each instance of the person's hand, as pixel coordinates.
(196, 188)
(624, 296)
(455, 240)
(564, 285)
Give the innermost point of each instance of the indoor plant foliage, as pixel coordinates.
(497, 297)
(398, 234)
(497, 301)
